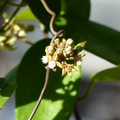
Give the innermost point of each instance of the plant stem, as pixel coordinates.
(41, 95)
(53, 16)
(87, 92)
(15, 12)
(16, 5)
(25, 41)
(76, 114)
(4, 6)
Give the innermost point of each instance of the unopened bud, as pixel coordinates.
(21, 33)
(70, 42)
(29, 28)
(2, 38)
(79, 47)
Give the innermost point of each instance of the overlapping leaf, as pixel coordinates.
(102, 41)
(108, 75)
(60, 95)
(6, 90)
(25, 15)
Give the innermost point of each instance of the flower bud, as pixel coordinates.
(52, 64)
(29, 28)
(50, 50)
(2, 38)
(22, 33)
(57, 41)
(79, 47)
(70, 42)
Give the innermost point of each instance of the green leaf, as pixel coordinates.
(11, 76)
(101, 40)
(6, 90)
(108, 75)
(25, 15)
(60, 95)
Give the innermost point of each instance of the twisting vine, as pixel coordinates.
(56, 34)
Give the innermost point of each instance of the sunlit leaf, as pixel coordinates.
(25, 15)
(60, 95)
(108, 75)
(6, 90)
(101, 40)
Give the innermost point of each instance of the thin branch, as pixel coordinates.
(87, 92)
(16, 5)
(41, 95)
(4, 6)
(15, 12)
(25, 41)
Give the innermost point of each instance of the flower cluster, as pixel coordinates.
(64, 55)
(12, 32)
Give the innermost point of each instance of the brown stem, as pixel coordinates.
(41, 95)
(76, 114)
(53, 16)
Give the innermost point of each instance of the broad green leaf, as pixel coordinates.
(6, 90)
(108, 75)
(60, 95)
(101, 40)
(25, 15)
(11, 76)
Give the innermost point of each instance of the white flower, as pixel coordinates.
(44, 59)
(52, 64)
(70, 41)
(79, 62)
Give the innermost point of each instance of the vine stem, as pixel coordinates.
(4, 6)
(41, 95)
(56, 34)
(87, 92)
(53, 16)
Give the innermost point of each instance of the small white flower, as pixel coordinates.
(79, 62)
(52, 64)
(22, 33)
(44, 59)
(70, 41)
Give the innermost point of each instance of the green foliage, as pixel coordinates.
(100, 39)
(6, 90)
(11, 76)
(38, 8)
(60, 95)
(25, 15)
(108, 75)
